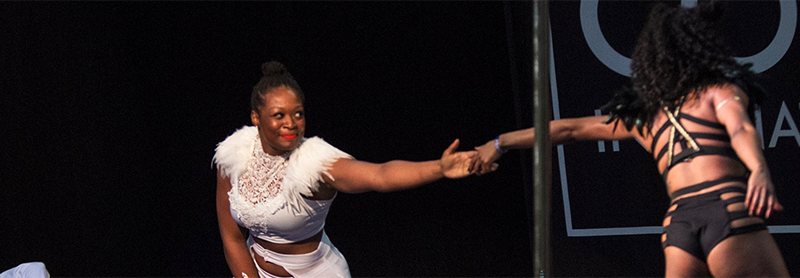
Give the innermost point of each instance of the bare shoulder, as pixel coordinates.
(720, 94)
(729, 104)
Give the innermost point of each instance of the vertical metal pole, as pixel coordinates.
(542, 156)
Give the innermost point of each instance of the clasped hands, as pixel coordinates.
(461, 164)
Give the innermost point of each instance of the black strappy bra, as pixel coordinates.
(690, 147)
(628, 108)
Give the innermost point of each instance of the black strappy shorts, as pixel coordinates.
(698, 223)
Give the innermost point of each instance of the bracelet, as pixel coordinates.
(497, 145)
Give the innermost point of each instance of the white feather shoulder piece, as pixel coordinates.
(232, 153)
(312, 159)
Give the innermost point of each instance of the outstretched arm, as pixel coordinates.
(730, 104)
(353, 176)
(562, 131)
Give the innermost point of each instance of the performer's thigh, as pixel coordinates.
(679, 263)
(747, 255)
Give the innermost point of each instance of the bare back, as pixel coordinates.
(697, 169)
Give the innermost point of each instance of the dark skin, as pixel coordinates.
(746, 255)
(281, 125)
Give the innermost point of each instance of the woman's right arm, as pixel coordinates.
(234, 237)
(730, 105)
(562, 131)
(353, 176)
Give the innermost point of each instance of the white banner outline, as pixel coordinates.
(614, 231)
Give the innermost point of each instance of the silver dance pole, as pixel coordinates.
(542, 157)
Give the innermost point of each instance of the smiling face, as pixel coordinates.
(280, 121)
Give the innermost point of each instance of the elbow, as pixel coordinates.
(565, 136)
(742, 130)
(232, 241)
(382, 186)
(355, 187)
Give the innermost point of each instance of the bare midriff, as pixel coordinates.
(701, 169)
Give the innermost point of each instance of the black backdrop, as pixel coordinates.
(110, 112)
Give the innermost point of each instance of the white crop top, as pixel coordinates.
(267, 191)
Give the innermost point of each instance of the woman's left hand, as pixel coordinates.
(456, 164)
(484, 162)
(761, 199)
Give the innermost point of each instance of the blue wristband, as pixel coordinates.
(497, 145)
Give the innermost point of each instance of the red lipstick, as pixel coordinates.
(289, 136)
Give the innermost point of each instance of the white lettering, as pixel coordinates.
(784, 115)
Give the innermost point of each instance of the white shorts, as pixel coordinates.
(31, 269)
(326, 261)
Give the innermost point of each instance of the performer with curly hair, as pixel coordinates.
(275, 187)
(690, 106)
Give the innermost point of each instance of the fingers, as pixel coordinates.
(772, 205)
(478, 161)
(486, 157)
(748, 196)
(751, 199)
(489, 167)
(755, 199)
(763, 202)
(776, 206)
(486, 168)
(459, 164)
(475, 165)
(481, 167)
(452, 148)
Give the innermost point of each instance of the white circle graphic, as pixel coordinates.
(762, 61)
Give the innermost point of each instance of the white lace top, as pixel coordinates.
(267, 191)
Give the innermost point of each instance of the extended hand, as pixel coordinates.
(761, 199)
(484, 162)
(456, 164)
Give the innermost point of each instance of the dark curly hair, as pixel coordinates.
(678, 51)
(275, 75)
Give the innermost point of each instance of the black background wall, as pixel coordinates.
(110, 112)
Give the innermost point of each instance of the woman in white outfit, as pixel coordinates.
(275, 187)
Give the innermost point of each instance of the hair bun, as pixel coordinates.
(273, 68)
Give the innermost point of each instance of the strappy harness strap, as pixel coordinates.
(688, 140)
(677, 126)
